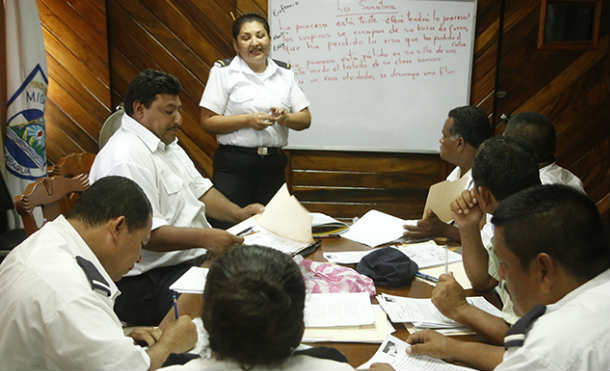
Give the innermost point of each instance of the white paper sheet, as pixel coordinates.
(191, 282)
(457, 268)
(422, 313)
(429, 254)
(376, 228)
(345, 257)
(339, 309)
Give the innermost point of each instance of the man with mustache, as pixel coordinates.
(145, 150)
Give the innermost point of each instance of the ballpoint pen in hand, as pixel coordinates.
(426, 277)
(175, 303)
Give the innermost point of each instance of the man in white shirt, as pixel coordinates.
(145, 149)
(58, 289)
(554, 256)
(539, 131)
(464, 130)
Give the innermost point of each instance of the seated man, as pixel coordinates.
(554, 258)
(254, 299)
(464, 130)
(502, 167)
(538, 130)
(58, 289)
(145, 150)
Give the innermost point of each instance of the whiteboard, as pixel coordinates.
(381, 75)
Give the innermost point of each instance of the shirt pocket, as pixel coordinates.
(242, 95)
(171, 199)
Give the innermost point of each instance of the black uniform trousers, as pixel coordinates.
(244, 176)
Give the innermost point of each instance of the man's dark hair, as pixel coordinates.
(557, 220)
(536, 129)
(111, 197)
(145, 87)
(505, 165)
(254, 299)
(249, 17)
(471, 123)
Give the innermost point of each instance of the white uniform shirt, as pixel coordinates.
(236, 89)
(573, 334)
(169, 179)
(299, 362)
(508, 313)
(555, 174)
(50, 316)
(455, 175)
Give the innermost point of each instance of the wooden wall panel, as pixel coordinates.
(569, 86)
(78, 99)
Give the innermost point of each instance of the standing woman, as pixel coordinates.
(250, 101)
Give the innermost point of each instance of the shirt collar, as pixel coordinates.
(146, 136)
(81, 248)
(601, 278)
(239, 65)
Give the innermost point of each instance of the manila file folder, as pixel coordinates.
(442, 194)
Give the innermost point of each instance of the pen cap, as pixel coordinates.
(388, 267)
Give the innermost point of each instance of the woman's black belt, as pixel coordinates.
(261, 151)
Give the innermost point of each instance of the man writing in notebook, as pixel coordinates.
(464, 130)
(58, 289)
(145, 149)
(554, 256)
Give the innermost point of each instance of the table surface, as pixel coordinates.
(359, 353)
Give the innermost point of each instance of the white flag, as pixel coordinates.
(24, 144)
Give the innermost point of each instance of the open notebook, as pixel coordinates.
(285, 225)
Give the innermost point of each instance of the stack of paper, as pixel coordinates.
(376, 228)
(323, 224)
(422, 312)
(374, 333)
(285, 225)
(285, 216)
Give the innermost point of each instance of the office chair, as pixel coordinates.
(112, 124)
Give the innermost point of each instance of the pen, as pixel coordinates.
(446, 259)
(332, 235)
(426, 277)
(244, 231)
(175, 306)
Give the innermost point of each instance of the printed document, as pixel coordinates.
(428, 254)
(423, 313)
(338, 309)
(393, 351)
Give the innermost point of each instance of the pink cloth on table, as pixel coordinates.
(332, 278)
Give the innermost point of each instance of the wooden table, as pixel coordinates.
(359, 353)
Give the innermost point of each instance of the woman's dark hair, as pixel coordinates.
(249, 17)
(253, 306)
